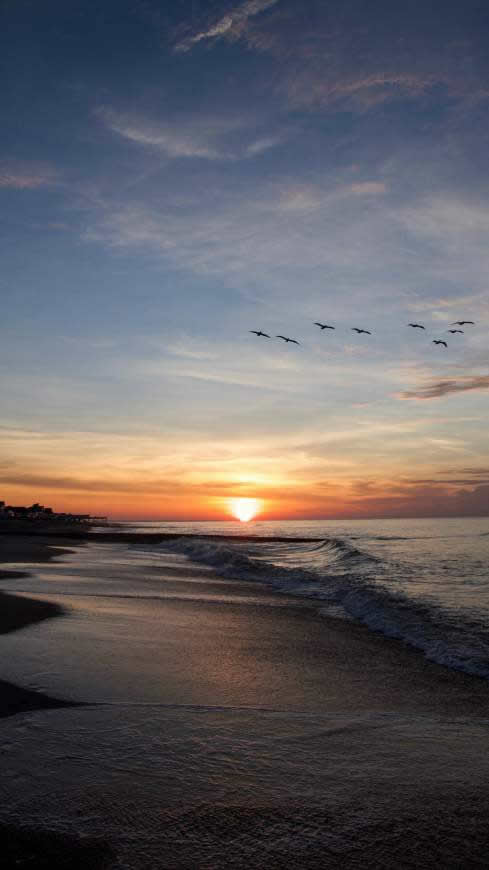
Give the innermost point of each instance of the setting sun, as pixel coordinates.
(244, 509)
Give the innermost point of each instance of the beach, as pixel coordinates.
(244, 537)
(17, 613)
(21, 846)
(225, 724)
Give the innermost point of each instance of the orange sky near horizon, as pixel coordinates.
(361, 499)
(338, 471)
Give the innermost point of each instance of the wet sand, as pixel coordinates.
(20, 547)
(280, 652)
(416, 788)
(292, 658)
(24, 847)
(17, 613)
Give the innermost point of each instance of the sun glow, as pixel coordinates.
(244, 509)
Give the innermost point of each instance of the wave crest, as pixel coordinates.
(343, 576)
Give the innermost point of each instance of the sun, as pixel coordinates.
(244, 509)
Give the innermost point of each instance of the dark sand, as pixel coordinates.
(45, 850)
(19, 847)
(17, 613)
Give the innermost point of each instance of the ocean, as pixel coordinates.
(300, 694)
(424, 581)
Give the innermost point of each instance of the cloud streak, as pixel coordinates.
(334, 54)
(168, 139)
(268, 230)
(203, 137)
(25, 177)
(443, 388)
(230, 25)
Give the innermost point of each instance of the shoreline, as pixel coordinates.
(18, 612)
(249, 652)
(146, 537)
(21, 845)
(341, 648)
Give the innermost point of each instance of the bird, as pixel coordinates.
(462, 322)
(258, 332)
(323, 325)
(356, 329)
(453, 331)
(287, 339)
(439, 341)
(416, 325)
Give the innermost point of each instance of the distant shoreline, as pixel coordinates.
(76, 535)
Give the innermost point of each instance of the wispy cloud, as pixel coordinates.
(443, 388)
(366, 91)
(303, 197)
(368, 188)
(334, 54)
(450, 231)
(476, 472)
(204, 137)
(25, 177)
(449, 219)
(190, 349)
(455, 481)
(268, 230)
(300, 198)
(175, 142)
(264, 144)
(441, 307)
(230, 25)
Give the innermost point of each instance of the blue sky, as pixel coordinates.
(174, 175)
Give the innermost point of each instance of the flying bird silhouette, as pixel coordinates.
(356, 329)
(439, 341)
(462, 322)
(453, 331)
(323, 325)
(416, 325)
(257, 332)
(287, 339)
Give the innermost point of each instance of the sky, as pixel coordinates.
(173, 175)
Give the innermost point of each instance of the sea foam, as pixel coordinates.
(351, 582)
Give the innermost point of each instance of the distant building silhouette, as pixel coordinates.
(38, 513)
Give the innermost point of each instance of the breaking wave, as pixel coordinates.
(352, 584)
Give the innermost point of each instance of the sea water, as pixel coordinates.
(424, 581)
(196, 749)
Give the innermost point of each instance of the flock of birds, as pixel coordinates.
(357, 329)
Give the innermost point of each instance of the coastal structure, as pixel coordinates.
(39, 513)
